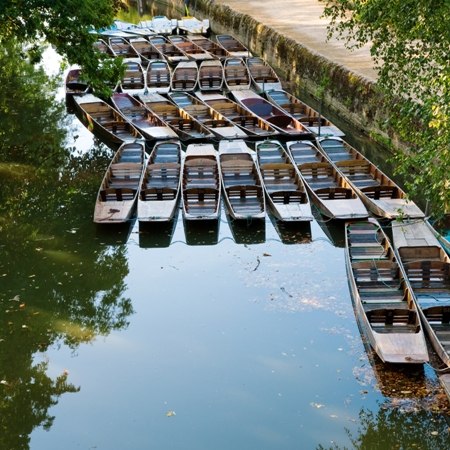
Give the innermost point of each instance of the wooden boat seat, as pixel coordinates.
(245, 121)
(183, 124)
(287, 197)
(334, 193)
(393, 320)
(371, 273)
(211, 81)
(216, 123)
(428, 275)
(244, 198)
(158, 78)
(299, 111)
(377, 192)
(158, 194)
(438, 315)
(337, 152)
(163, 175)
(201, 200)
(117, 194)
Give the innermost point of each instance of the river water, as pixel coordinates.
(175, 338)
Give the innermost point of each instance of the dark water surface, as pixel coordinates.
(197, 339)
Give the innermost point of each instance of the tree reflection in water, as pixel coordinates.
(59, 282)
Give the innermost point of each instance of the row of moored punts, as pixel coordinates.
(198, 121)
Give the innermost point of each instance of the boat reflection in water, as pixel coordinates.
(202, 233)
(114, 234)
(252, 232)
(157, 234)
(292, 233)
(333, 229)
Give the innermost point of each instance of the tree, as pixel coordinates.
(409, 40)
(65, 24)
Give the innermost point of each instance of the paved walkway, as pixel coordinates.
(301, 20)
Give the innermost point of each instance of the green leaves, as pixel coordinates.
(409, 40)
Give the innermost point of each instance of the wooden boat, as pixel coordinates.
(169, 52)
(215, 122)
(382, 196)
(233, 46)
(192, 50)
(279, 120)
(161, 25)
(186, 128)
(116, 198)
(150, 125)
(210, 75)
(133, 81)
(103, 47)
(310, 118)
(160, 189)
(213, 48)
(241, 181)
(105, 121)
(242, 117)
(263, 77)
(184, 77)
(427, 268)
(384, 302)
(192, 25)
(285, 190)
(75, 84)
(122, 47)
(145, 50)
(236, 74)
(158, 76)
(201, 184)
(333, 195)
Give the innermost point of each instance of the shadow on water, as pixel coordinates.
(157, 235)
(253, 232)
(114, 234)
(293, 233)
(204, 233)
(333, 229)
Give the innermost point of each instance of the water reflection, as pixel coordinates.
(155, 235)
(253, 232)
(204, 233)
(58, 283)
(292, 233)
(333, 229)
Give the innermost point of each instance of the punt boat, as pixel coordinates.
(272, 114)
(309, 117)
(169, 52)
(210, 75)
(161, 185)
(201, 184)
(383, 299)
(185, 76)
(236, 74)
(284, 187)
(381, 195)
(210, 46)
(158, 76)
(150, 125)
(116, 198)
(233, 46)
(104, 121)
(263, 76)
(332, 194)
(192, 50)
(215, 122)
(133, 81)
(243, 192)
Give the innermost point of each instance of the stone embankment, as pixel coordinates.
(291, 35)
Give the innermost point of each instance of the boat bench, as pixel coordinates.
(393, 318)
(124, 170)
(377, 192)
(371, 273)
(336, 151)
(158, 194)
(211, 81)
(428, 275)
(245, 121)
(286, 197)
(158, 79)
(163, 175)
(245, 198)
(334, 193)
(117, 194)
(183, 124)
(438, 315)
(200, 200)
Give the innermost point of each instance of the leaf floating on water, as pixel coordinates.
(267, 254)
(170, 413)
(16, 298)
